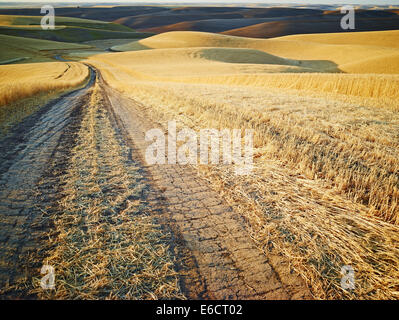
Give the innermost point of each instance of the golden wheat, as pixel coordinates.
(322, 52)
(26, 80)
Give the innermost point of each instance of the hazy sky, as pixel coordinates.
(376, 2)
(393, 2)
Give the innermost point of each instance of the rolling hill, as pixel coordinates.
(381, 38)
(12, 20)
(96, 13)
(218, 15)
(190, 62)
(306, 26)
(212, 25)
(15, 49)
(67, 29)
(150, 21)
(260, 22)
(343, 54)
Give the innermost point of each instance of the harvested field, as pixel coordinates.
(113, 186)
(347, 166)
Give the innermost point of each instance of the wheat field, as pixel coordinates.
(336, 51)
(24, 88)
(324, 111)
(254, 68)
(31, 79)
(326, 188)
(13, 49)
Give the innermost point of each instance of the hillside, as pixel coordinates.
(14, 49)
(343, 54)
(192, 16)
(212, 25)
(66, 29)
(380, 38)
(183, 63)
(260, 22)
(275, 22)
(306, 26)
(12, 20)
(103, 14)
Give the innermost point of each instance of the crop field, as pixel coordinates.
(341, 54)
(77, 192)
(340, 140)
(24, 87)
(17, 49)
(67, 29)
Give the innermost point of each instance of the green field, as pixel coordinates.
(67, 29)
(9, 20)
(19, 49)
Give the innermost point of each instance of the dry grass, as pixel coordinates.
(352, 146)
(104, 245)
(25, 88)
(325, 192)
(375, 90)
(197, 65)
(316, 229)
(23, 81)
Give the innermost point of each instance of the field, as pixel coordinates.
(29, 79)
(67, 29)
(340, 142)
(24, 87)
(323, 193)
(248, 21)
(327, 55)
(15, 49)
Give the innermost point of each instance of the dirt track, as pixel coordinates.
(215, 256)
(25, 153)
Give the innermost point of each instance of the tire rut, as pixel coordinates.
(215, 258)
(26, 151)
(224, 262)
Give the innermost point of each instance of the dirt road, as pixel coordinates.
(211, 250)
(25, 153)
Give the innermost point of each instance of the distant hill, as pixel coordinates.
(217, 15)
(264, 22)
(282, 28)
(96, 13)
(15, 49)
(17, 20)
(214, 25)
(67, 29)
(360, 52)
(259, 22)
(150, 21)
(329, 20)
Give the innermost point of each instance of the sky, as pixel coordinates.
(364, 2)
